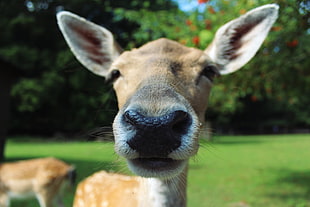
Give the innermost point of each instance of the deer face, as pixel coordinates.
(162, 92)
(163, 87)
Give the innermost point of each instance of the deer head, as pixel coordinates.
(163, 87)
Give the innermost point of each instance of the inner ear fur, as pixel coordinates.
(237, 41)
(93, 45)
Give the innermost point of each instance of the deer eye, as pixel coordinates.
(115, 74)
(210, 72)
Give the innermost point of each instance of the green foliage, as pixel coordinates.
(54, 92)
(28, 92)
(59, 95)
(155, 24)
(279, 73)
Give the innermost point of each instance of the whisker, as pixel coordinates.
(104, 133)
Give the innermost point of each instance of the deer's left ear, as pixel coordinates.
(237, 41)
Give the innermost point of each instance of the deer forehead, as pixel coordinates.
(161, 62)
(160, 54)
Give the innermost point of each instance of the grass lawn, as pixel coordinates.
(231, 171)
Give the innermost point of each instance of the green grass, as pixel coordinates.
(232, 171)
(260, 171)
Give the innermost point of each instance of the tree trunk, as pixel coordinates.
(6, 81)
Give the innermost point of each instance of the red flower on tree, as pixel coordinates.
(211, 10)
(276, 28)
(242, 11)
(196, 40)
(254, 98)
(292, 43)
(208, 24)
(188, 22)
(202, 1)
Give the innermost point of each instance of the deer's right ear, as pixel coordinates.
(93, 45)
(237, 41)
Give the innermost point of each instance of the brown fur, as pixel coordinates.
(43, 178)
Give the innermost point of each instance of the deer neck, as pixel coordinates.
(164, 192)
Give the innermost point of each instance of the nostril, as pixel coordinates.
(137, 119)
(178, 120)
(181, 122)
(132, 117)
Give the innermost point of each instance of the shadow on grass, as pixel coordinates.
(295, 187)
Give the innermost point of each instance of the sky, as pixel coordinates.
(190, 5)
(186, 5)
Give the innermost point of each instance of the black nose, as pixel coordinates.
(156, 136)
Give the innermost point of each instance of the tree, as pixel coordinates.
(279, 74)
(8, 74)
(56, 94)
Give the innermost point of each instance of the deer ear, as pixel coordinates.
(237, 41)
(93, 45)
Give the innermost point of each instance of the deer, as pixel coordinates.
(42, 178)
(162, 89)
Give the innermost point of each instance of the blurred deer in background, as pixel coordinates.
(162, 90)
(43, 178)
